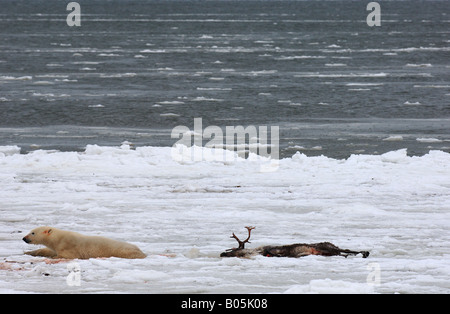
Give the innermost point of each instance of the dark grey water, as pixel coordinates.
(136, 69)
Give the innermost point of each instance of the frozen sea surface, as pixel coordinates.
(182, 213)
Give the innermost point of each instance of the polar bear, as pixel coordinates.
(72, 245)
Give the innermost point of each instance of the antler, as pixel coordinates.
(242, 243)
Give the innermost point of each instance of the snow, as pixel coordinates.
(332, 286)
(181, 212)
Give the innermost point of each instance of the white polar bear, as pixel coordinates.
(72, 245)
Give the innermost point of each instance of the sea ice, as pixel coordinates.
(182, 215)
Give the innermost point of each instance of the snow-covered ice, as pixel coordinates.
(182, 213)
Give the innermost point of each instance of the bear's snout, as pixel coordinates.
(26, 240)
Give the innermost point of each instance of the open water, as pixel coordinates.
(136, 69)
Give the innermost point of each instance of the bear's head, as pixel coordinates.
(38, 235)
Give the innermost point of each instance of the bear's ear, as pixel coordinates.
(47, 231)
